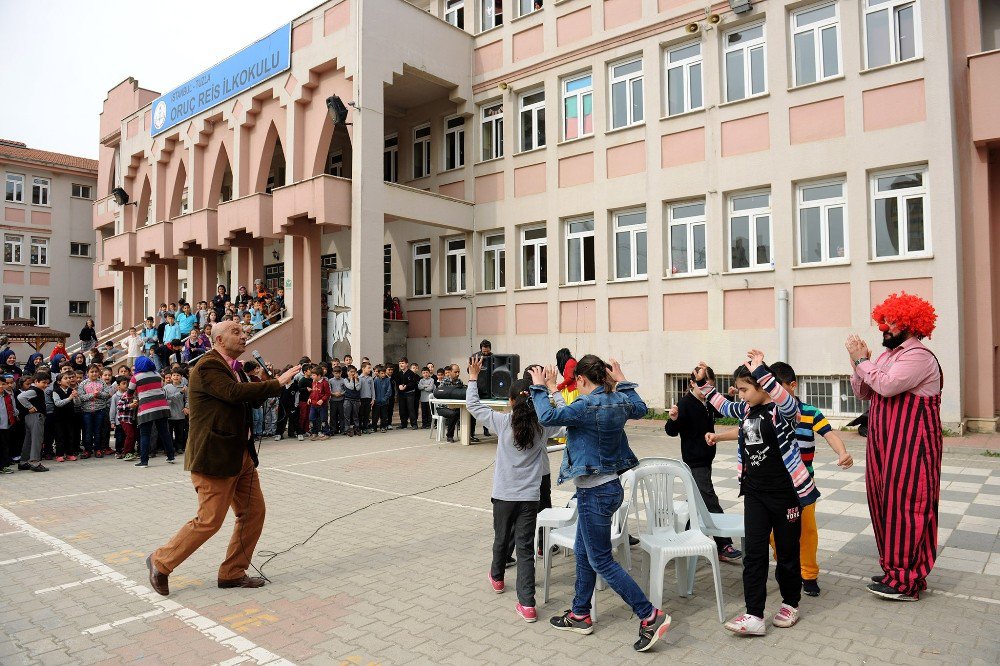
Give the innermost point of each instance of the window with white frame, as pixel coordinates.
(81, 191)
(684, 92)
(532, 120)
(892, 31)
(14, 188)
(454, 13)
(39, 251)
(491, 131)
(79, 249)
(626, 93)
(630, 244)
(687, 238)
(12, 306)
(454, 143)
(184, 201)
(750, 231)
(822, 236)
(745, 62)
(422, 151)
(832, 395)
(390, 159)
(182, 288)
(38, 310)
(335, 164)
(421, 269)
(534, 257)
(580, 251)
(494, 262)
(815, 43)
(525, 7)
(79, 307)
(13, 246)
(899, 213)
(454, 262)
(491, 13)
(40, 191)
(578, 106)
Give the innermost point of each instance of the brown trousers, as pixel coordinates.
(215, 495)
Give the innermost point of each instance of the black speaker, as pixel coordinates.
(506, 368)
(485, 382)
(338, 112)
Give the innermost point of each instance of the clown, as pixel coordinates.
(903, 467)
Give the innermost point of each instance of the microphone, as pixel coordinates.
(260, 360)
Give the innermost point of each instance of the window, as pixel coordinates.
(390, 159)
(12, 248)
(182, 288)
(335, 164)
(454, 13)
(816, 43)
(494, 263)
(39, 311)
(422, 151)
(626, 93)
(325, 261)
(14, 191)
(534, 258)
(40, 191)
(82, 191)
(492, 131)
(832, 395)
(387, 266)
(750, 231)
(525, 7)
(630, 245)
(184, 201)
(579, 251)
(899, 209)
(822, 236)
(39, 251)
(892, 31)
(533, 120)
(578, 107)
(79, 249)
(687, 238)
(455, 266)
(79, 307)
(746, 63)
(421, 269)
(12, 307)
(454, 143)
(678, 385)
(684, 79)
(491, 13)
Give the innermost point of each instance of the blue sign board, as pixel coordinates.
(241, 71)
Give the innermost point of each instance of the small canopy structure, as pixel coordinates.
(24, 330)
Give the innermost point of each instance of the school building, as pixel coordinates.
(662, 181)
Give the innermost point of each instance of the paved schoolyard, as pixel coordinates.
(404, 581)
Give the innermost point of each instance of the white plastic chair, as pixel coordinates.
(658, 535)
(437, 422)
(546, 521)
(682, 511)
(714, 525)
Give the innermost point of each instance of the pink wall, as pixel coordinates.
(899, 104)
(745, 135)
(337, 17)
(491, 320)
(531, 318)
(452, 322)
(146, 117)
(620, 12)
(529, 180)
(487, 58)
(302, 35)
(573, 27)
(489, 188)
(822, 306)
(684, 147)
(131, 128)
(685, 312)
(577, 316)
(627, 159)
(528, 43)
(879, 289)
(13, 277)
(419, 324)
(38, 279)
(748, 308)
(670, 5)
(455, 190)
(41, 217)
(13, 215)
(576, 170)
(984, 72)
(816, 121)
(628, 314)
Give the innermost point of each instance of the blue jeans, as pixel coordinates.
(258, 421)
(162, 433)
(93, 423)
(595, 508)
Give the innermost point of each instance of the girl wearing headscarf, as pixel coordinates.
(153, 410)
(31, 367)
(8, 364)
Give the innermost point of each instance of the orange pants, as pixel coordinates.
(808, 543)
(215, 495)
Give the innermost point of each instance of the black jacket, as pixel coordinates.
(409, 381)
(694, 419)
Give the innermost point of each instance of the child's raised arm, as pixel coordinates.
(722, 404)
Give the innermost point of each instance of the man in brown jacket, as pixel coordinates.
(222, 461)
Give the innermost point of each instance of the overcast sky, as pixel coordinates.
(59, 58)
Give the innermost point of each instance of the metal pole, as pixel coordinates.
(783, 325)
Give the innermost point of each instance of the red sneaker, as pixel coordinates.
(526, 612)
(84, 455)
(71, 458)
(60, 459)
(497, 584)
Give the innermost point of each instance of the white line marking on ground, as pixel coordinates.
(66, 586)
(11, 532)
(125, 620)
(208, 628)
(354, 455)
(141, 486)
(953, 595)
(47, 553)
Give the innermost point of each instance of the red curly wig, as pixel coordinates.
(908, 312)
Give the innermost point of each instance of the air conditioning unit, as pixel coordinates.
(741, 6)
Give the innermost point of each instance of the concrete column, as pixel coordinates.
(240, 269)
(105, 308)
(132, 293)
(302, 287)
(256, 260)
(165, 283)
(201, 277)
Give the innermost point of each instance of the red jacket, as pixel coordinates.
(320, 391)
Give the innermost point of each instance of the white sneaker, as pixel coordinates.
(785, 617)
(277, 438)
(300, 437)
(747, 625)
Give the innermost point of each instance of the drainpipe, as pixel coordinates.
(783, 325)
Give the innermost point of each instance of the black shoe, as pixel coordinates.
(451, 440)
(810, 587)
(474, 439)
(652, 631)
(170, 460)
(23, 466)
(878, 579)
(39, 468)
(413, 427)
(886, 592)
(567, 622)
(632, 541)
(486, 432)
(141, 464)
(509, 563)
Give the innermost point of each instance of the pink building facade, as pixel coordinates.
(647, 179)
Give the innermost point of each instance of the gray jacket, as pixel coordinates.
(177, 400)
